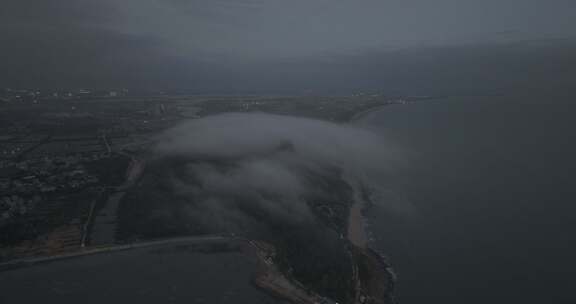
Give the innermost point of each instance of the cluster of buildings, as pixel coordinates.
(61, 158)
(25, 184)
(37, 95)
(12, 206)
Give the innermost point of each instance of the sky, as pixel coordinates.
(198, 43)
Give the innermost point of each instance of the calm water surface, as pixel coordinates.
(492, 181)
(169, 274)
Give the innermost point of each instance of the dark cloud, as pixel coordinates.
(240, 45)
(90, 58)
(21, 14)
(74, 44)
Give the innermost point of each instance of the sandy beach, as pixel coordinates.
(356, 232)
(356, 229)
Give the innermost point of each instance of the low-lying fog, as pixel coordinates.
(265, 164)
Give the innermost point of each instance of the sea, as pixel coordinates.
(172, 273)
(484, 209)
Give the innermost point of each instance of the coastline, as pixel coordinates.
(357, 233)
(374, 276)
(363, 113)
(371, 271)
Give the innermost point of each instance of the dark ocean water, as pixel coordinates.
(169, 274)
(493, 184)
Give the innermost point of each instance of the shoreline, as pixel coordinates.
(94, 250)
(356, 232)
(357, 236)
(357, 116)
(267, 278)
(375, 277)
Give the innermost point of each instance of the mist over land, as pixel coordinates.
(88, 85)
(287, 180)
(269, 162)
(110, 172)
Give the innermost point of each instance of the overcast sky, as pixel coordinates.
(124, 41)
(274, 28)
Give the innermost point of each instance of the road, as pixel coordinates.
(106, 249)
